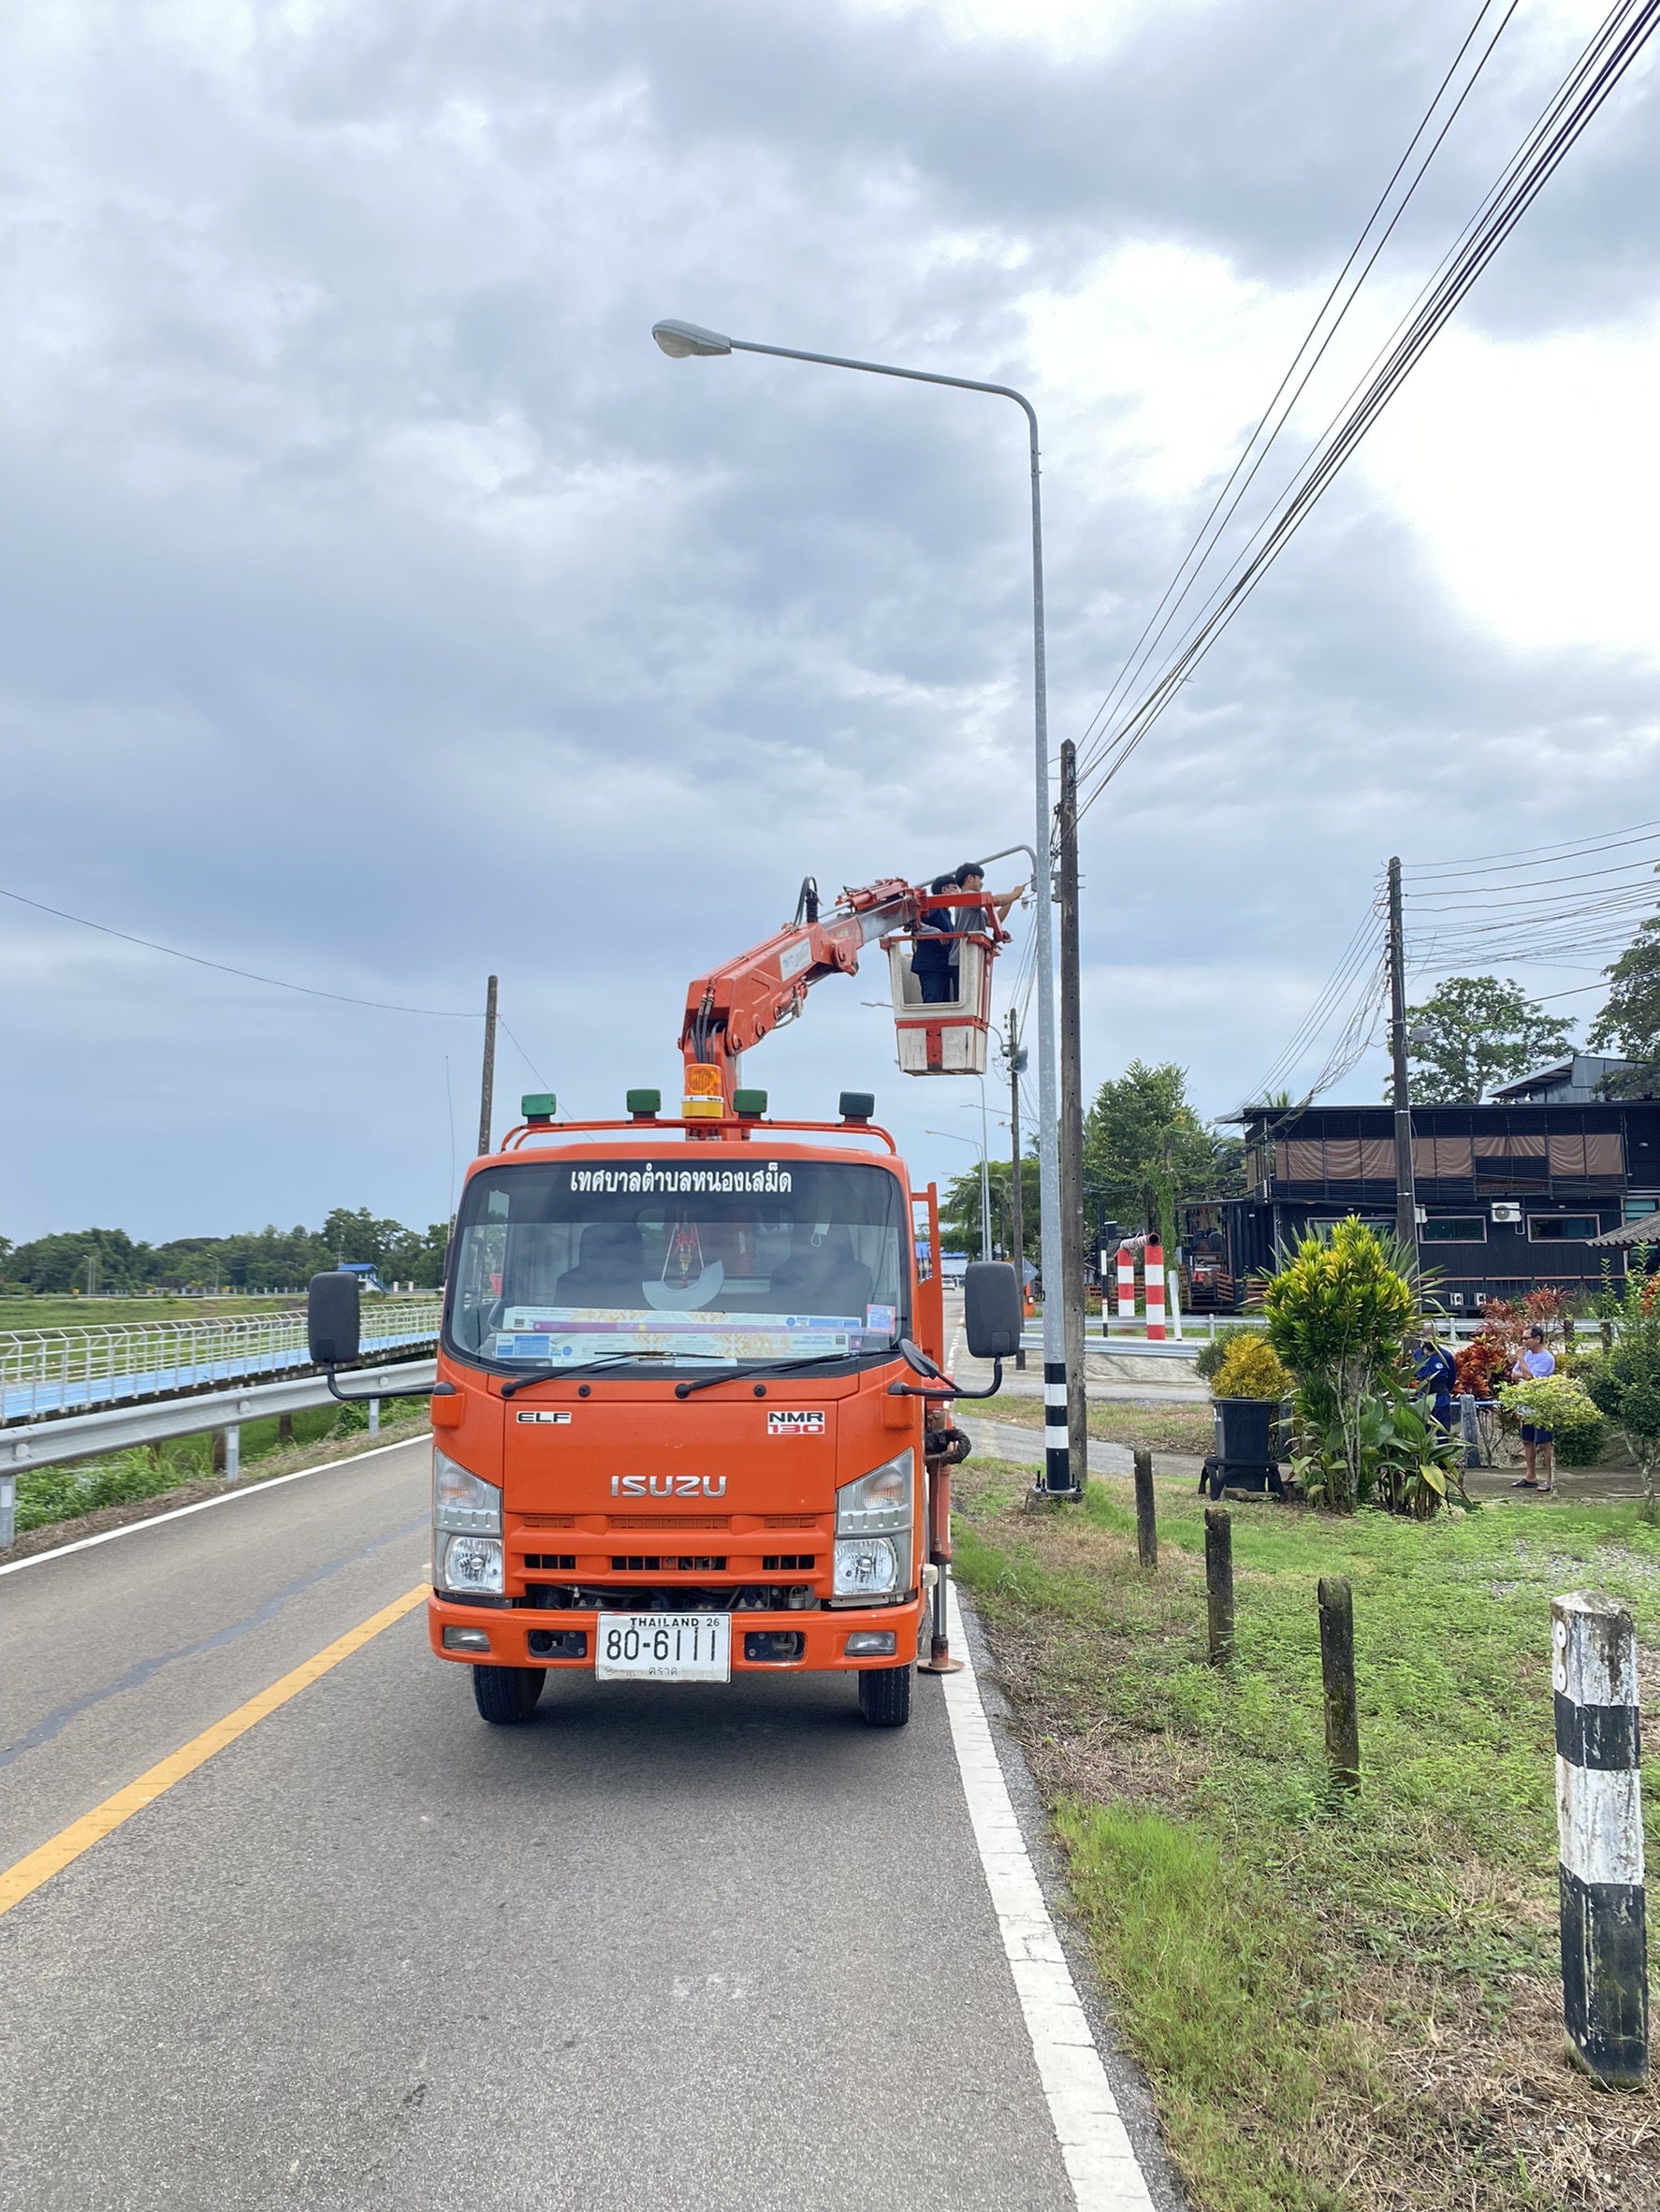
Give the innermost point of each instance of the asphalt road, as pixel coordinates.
(725, 1947)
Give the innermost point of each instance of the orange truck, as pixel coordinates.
(690, 1418)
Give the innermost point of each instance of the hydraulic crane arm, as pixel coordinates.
(735, 1005)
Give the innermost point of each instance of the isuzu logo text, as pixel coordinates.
(795, 1424)
(668, 1486)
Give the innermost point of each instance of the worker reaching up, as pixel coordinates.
(937, 958)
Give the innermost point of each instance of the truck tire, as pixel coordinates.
(884, 1695)
(507, 1695)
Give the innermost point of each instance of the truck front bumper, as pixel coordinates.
(823, 1648)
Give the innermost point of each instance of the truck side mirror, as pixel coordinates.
(991, 1309)
(332, 1307)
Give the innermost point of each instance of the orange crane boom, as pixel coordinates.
(734, 1006)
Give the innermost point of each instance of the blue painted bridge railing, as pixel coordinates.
(49, 1372)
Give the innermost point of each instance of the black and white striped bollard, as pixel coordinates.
(1057, 1465)
(1605, 1975)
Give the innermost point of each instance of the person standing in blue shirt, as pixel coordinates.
(1438, 1374)
(1537, 1362)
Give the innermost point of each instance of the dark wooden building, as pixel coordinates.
(1508, 1194)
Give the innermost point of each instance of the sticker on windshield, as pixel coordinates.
(882, 1317)
(795, 1424)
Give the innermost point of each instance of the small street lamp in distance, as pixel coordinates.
(683, 341)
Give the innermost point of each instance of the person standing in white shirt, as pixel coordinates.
(1537, 1362)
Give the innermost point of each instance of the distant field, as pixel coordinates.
(84, 1313)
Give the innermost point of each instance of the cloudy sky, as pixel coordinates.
(382, 609)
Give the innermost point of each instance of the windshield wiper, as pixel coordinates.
(523, 1382)
(684, 1390)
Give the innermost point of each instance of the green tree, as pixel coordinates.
(1629, 1023)
(1625, 1382)
(1483, 1032)
(1144, 1148)
(959, 1210)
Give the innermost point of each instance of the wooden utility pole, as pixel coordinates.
(1405, 1190)
(486, 1089)
(1338, 1675)
(1072, 1123)
(1016, 1196)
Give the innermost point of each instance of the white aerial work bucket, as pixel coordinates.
(948, 1037)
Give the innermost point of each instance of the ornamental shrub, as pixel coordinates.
(1251, 1369)
(1338, 1312)
(1560, 1404)
(1213, 1353)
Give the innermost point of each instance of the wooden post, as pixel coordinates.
(1338, 1672)
(219, 1454)
(1219, 1582)
(1146, 1526)
(284, 1428)
(1605, 1978)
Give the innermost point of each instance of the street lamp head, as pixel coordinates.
(679, 340)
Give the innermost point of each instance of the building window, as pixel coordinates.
(1562, 1229)
(1454, 1228)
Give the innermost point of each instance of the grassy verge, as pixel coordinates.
(119, 1313)
(80, 1487)
(1339, 2004)
(1187, 1428)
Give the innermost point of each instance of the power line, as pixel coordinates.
(447, 1014)
(1600, 66)
(1224, 507)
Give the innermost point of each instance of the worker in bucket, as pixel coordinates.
(986, 919)
(933, 957)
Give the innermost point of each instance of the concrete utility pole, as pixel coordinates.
(486, 1089)
(681, 340)
(1405, 1189)
(1016, 1196)
(1072, 1120)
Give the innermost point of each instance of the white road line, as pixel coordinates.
(1101, 2159)
(246, 1489)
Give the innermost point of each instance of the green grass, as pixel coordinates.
(1272, 1949)
(121, 1477)
(90, 1313)
(1187, 1429)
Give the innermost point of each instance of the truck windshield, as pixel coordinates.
(568, 1263)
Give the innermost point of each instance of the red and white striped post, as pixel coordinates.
(1126, 1284)
(1153, 1288)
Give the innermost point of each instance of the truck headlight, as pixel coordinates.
(471, 1563)
(877, 1501)
(464, 1502)
(867, 1566)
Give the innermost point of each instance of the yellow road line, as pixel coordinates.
(20, 1881)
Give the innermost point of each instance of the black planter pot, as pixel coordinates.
(1247, 1455)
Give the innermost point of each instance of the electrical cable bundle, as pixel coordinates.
(1540, 906)
(1118, 728)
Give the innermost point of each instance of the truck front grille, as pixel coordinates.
(644, 1563)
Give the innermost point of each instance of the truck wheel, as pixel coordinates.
(507, 1695)
(884, 1695)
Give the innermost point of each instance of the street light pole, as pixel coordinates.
(679, 339)
(984, 1186)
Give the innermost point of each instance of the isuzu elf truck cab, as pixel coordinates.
(689, 1419)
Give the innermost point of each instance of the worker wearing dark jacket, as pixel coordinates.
(931, 961)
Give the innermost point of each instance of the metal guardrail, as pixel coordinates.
(83, 1436)
(51, 1374)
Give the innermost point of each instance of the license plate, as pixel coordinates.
(663, 1647)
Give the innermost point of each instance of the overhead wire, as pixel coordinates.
(448, 1013)
(1224, 507)
(1599, 67)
